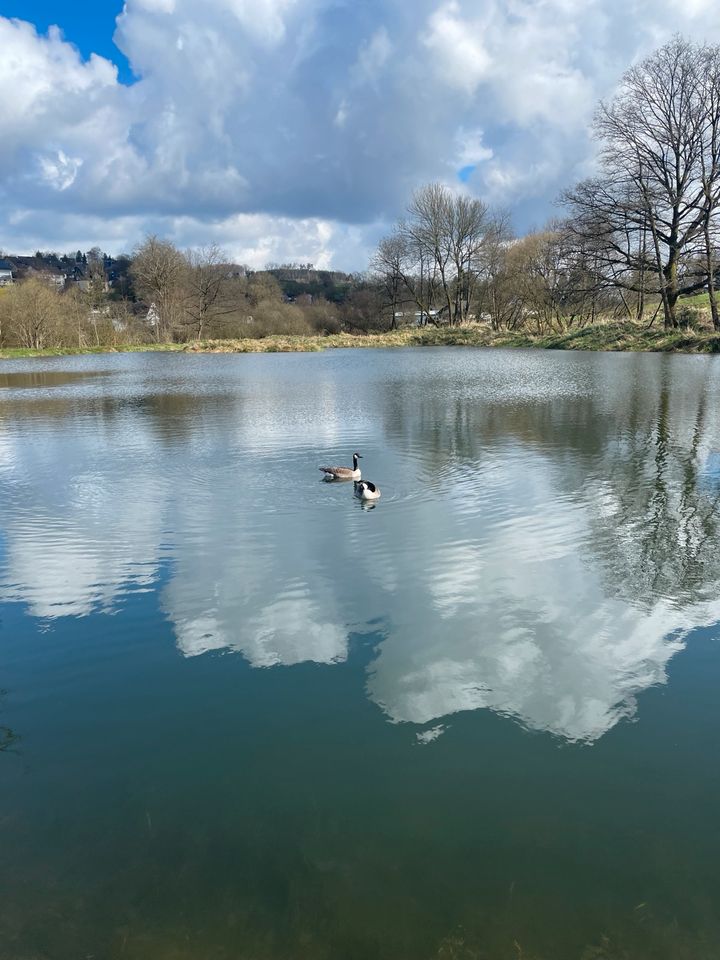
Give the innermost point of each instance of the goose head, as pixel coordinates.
(366, 490)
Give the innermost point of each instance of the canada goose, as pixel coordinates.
(343, 473)
(365, 490)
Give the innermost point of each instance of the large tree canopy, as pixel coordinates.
(651, 216)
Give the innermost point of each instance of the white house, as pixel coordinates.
(6, 273)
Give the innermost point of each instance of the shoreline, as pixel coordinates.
(605, 337)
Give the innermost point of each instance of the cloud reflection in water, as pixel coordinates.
(541, 579)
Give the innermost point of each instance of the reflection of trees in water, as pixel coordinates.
(172, 416)
(181, 416)
(33, 379)
(461, 431)
(631, 447)
(655, 523)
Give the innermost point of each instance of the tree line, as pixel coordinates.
(163, 294)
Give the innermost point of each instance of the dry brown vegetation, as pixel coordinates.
(611, 336)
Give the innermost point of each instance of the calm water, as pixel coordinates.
(244, 718)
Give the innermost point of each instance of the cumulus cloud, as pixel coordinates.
(306, 118)
(456, 46)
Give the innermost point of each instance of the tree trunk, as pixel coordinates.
(711, 275)
(671, 290)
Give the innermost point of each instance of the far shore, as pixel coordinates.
(615, 337)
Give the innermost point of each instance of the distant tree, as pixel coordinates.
(122, 286)
(495, 297)
(436, 253)
(365, 309)
(96, 297)
(208, 289)
(263, 286)
(32, 314)
(159, 271)
(386, 268)
(322, 316)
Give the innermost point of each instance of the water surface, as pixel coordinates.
(244, 716)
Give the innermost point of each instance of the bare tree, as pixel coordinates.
(159, 272)
(434, 255)
(386, 268)
(208, 289)
(447, 232)
(651, 213)
(492, 298)
(33, 312)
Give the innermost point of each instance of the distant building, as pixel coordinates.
(420, 317)
(65, 272)
(6, 273)
(39, 268)
(236, 271)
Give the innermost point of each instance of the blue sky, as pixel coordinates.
(89, 26)
(298, 129)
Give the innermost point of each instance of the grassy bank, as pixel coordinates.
(602, 336)
(610, 336)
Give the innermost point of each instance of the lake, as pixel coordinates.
(245, 716)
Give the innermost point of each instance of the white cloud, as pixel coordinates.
(59, 170)
(456, 48)
(471, 149)
(373, 56)
(157, 6)
(263, 19)
(307, 116)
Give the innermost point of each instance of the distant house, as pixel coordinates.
(6, 273)
(50, 275)
(40, 268)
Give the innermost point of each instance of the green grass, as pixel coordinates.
(615, 336)
(696, 300)
(11, 353)
(632, 337)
